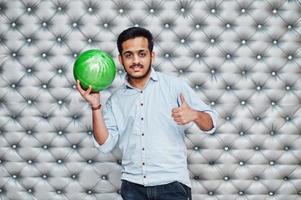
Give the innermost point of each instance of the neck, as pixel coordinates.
(138, 82)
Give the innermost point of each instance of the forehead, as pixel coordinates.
(134, 44)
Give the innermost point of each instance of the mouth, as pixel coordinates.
(136, 68)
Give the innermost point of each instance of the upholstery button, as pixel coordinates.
(120, 10)
(274, 73)
(259, 57)
(257, 148)
(243, 42)
(289, 26)
(166, 25)
(59, 70)
(13, 85)
(29, 190)
(241, 133)
(44, 24)
(89, 161)
(74, 55)
(212, 40)
(210, 193)
(289, 57)
(288, 87)
(241, 163)
(60, 132)
(44, 86)
(212, 162)
(14, 176)
(89, 132)
(14, 146)
(74, 24)
(59, 161)
(197, 26)
(74, 146)
(226, 148)
(29, 161)
(182, 10)
(228, 25)
(243, 10)
(59, 191)
(73, 176)
(275, 41)
(44, 176)
(286, 148)
(258, 88)
(272, 132)
(259, 26)
(28, 40)
(196, 148)
(196, 177)
(213, 10)
(90, 9)
(226, 178)
(104, 177)
(272, 162)
(13, 24)
(285, 178)
(59, 8)
(45, 146)
(241, 193)
(89, 192)
(274, 11)
(28, 9)
(271, 193)
(256, 178)
(151, 10)
(106, 25)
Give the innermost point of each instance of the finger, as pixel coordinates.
(182, 99)
(175, 115)
(175, 110)
(89, 90)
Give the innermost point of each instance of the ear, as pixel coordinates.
(120, 59)
(153, 56)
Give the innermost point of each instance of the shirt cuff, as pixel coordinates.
(213, 116)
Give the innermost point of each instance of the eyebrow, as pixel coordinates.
(141, 50)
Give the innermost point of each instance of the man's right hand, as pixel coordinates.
(92, 98)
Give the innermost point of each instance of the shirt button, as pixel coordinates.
(141, 118)
(141, 104)
(142, 149)
(143, 163)
(144, 176)
(142, 134)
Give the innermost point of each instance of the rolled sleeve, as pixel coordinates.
(111, 125)
(197, 104)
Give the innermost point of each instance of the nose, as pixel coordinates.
(135, 59)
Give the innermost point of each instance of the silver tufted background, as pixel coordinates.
(242, 57)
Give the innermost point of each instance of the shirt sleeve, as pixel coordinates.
(196, 103)
(111, 124)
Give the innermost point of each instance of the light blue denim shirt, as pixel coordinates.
(151, 142)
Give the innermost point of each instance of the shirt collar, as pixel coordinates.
(153, 76)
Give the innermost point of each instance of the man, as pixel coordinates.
(145, 116)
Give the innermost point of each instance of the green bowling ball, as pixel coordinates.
(96, 68)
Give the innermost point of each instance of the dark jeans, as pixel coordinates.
(170, 191)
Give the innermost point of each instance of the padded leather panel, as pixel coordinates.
(241, 56)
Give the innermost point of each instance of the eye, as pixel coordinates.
(128, 55)
(142, 54)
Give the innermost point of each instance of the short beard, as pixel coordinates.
(140, 77)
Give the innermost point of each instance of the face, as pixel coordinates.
(136, 58)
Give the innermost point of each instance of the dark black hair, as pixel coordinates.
(134, 32)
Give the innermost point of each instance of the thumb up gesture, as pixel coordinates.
(183, 114)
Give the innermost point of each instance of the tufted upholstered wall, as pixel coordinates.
(242, 57)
